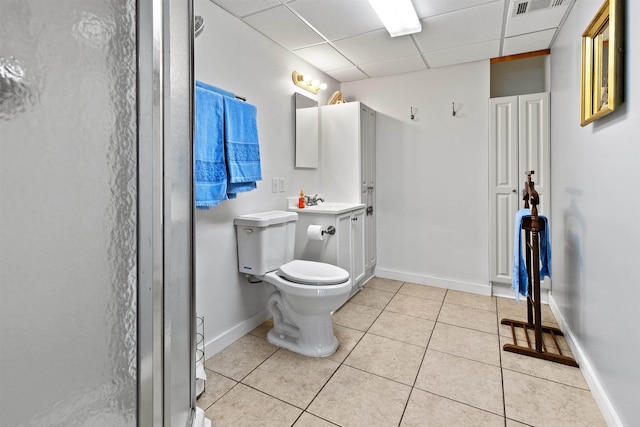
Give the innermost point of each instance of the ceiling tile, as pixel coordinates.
(337, 19)
(283, 27)
(536, 20)
(468, 26)
(347, 75)
(323, 56)
(376, 46)
(459, 55)
(245, 7)
(396, 66)
(528, 42)
(345, 39)
(428, 8)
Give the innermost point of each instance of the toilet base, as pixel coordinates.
(291, 343)
(309, 335)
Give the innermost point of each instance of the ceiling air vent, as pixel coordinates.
(528, 6)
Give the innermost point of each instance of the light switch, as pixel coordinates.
(281, 185)
(274, 185)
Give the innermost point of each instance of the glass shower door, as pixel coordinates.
(95, 330)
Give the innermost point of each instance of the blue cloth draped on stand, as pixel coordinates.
(241, 147)
(519, 276)
(210, 173)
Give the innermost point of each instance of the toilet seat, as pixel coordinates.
(312, 273)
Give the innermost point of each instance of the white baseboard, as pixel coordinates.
(601, 398)
(230, 336)
(473, 288)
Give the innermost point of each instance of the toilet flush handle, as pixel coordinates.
(248, 230)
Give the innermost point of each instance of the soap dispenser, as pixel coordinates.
(301, 199)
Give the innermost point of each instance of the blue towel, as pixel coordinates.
(519, 277)
(241, 147)
(210, 173)
(217, 90)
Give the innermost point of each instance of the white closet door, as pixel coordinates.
(519, 141)
(503, 179)
(534, 132)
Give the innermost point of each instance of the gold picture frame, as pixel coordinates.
(601, 77)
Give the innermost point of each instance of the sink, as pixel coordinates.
(329, 208)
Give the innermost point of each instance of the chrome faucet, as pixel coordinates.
(313, 201)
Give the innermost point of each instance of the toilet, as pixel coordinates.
(307, 292)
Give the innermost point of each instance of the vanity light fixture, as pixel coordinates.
(398, 16)
(307, 83)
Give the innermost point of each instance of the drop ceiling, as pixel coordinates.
(346, 39)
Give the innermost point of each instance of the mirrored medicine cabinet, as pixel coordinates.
(306, 124)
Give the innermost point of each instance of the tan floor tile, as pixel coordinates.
(215, 387)
(388, 358)
(471, 300)
(511, 423)
(542, 368)
(414, 306)
(467, 343)
(308, 420)
(467, 381)
(517, 310)
(263, 329)
(291, 377)
(347, 338)
(372, 297)
(423, 291)
(541, 402)
(241, 357)
(469, 317)
(409, 329)
(353, 398)
(356, 316)
(426, 409)
(246, 407)
(388, 285)
(560, 341)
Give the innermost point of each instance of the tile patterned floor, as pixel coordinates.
(410, 355)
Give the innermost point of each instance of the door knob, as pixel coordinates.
(514, 191)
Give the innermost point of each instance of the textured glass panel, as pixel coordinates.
(68, 213)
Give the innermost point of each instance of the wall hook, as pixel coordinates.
(413, 116)
(453, 108)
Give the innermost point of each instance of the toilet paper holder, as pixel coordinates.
(331, 230)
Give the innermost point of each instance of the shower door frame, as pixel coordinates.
(166, 292)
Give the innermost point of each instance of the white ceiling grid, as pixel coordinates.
(346, 39)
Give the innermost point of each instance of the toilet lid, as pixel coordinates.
(313, 273)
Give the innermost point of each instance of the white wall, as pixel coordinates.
(432, 174)
(232, 56)
(595, 172)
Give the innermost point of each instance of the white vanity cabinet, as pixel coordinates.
(348, 164)
(345, 248)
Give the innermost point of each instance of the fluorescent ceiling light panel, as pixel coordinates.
(398, 16)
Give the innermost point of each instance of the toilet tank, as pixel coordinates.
(265, 240)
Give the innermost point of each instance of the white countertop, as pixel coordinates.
(331, 208)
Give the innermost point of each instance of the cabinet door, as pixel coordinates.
(340, 169)
(357, 246)
(504, 184)
(343, 242)
(369, 189)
